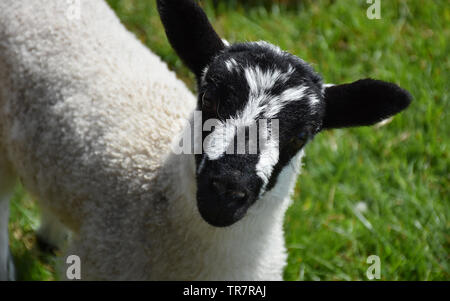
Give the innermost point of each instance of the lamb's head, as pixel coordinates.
(260, 106)
(264, 105)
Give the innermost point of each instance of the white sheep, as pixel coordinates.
(89, 119)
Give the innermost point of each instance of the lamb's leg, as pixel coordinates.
(51, 235)
(7, 181)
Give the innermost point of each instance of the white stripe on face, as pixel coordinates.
(267, 160)
(204, 74)
(261, 103)
(260, 81)
(217, 143)
(231, 65)
(279, 102)
(269, 152)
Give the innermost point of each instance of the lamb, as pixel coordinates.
(90, 120)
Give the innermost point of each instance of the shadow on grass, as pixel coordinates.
(30, 262)
(34, 265)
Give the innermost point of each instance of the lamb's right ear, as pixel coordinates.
(190, 33)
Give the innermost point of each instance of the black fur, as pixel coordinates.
(190, 33)
(363, 102)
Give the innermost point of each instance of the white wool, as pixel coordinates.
(87, 117)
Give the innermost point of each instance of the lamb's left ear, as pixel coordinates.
(364, 102)
(190, 33)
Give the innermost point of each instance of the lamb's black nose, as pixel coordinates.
(229, 189)
(225, 191)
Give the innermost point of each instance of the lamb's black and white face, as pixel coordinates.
(256, 87)
(252, 88)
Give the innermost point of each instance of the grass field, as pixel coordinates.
(368, 191)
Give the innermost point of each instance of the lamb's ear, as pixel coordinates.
(364, 102)
(190, 33)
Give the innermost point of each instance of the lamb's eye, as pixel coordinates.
(300, 140)
(302, 136)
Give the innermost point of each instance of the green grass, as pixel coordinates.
(400, 172)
